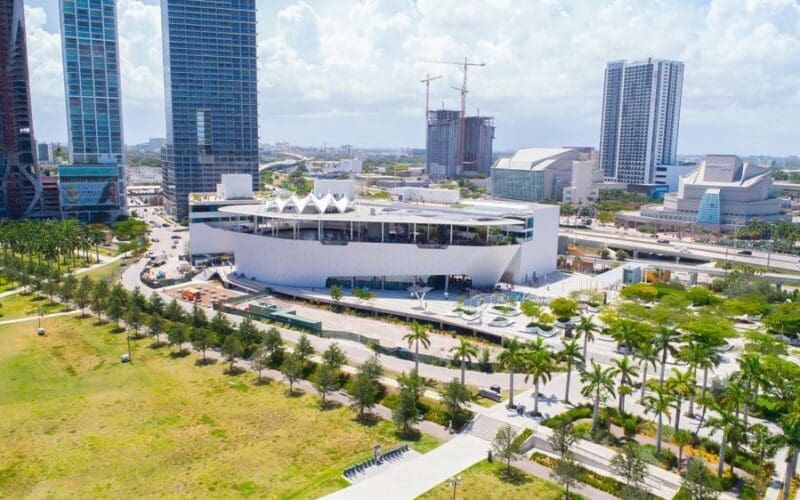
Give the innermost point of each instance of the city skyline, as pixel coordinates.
(325, 78)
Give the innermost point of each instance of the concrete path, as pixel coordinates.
(416, 476)
(34, 318)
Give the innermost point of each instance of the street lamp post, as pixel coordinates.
(455, 482)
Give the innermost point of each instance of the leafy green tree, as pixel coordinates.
(681, 437)
(566, 473)
(762, 442)
(666, 343)
(231, 349)
(303, 349)
(454, 396)
(68, 288)
(174, 312)
(326, 380)
(698, 482)
(221, 326)
(599, 386)
(366, 388)
(202, 338)
(337, 293)
(530, 309)
(571, 355)
(628, 333)
(83, 294)
(177, 336)
(659, 404)
(260, 360)
(155, 304)
(419, 335)
(562, 438)
(334, 357)
(563, 308)
(273, 343)
(406, 413)
(198, 318)
(505, 446)
(155, 325)
(249, 334)
(538, 366)
(115, 308)
(292, 369)
(784, 319)
(136, 299)
(512, 358)
(726, 422)
(133, 318)
(464, 351)
(645, 292)
(630, 465)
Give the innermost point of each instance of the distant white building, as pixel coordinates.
(670, 174)
(586, 182)
(536, 174)
(235, 187)
(352, 165)
(338, 188)
(426, 195)
(721, 193)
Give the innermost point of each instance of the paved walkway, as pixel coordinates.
(34, 318)
(416, 476)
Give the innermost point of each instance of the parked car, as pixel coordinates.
(663, 241)
(745, 252)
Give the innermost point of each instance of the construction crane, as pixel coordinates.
(463, 89)
(427, 81)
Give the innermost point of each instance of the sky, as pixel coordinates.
(348, 71)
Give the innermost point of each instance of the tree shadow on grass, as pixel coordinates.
(294, 393)
(116, 330)
(205, 362)
(262, 381)
(158, 344)
(515, 476)
(234, 371)
(367, 420)
(179, 354)
(329, 405)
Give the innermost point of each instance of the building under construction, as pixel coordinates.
(445, 157)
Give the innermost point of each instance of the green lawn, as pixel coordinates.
(109, 272)
(486, 480)
(77, 423)
(19, 306)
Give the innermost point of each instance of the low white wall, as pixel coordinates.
(204, 239)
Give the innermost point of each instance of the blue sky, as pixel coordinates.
(348, 71)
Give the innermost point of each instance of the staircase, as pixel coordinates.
(486, 428)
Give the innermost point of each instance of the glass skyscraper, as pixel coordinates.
(20, 190)
(93, 186)
(210, 76)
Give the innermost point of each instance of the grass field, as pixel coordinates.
(109, 272)
(486, 480)
(19, 306)
(76, 423)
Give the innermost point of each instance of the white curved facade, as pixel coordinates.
(315, 242)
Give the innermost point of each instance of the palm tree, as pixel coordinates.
(587, 329)
(659, 404)
(680, 385)
(512, 359)
(666, 338)
(627, 333)
(648, 356)
(699, 356)
(790, 438)
(538, 366)
(751, 374)
(419, 334)
(728, 424)
(571, 355)
(599, 385)
(465, 351)
(626, 371)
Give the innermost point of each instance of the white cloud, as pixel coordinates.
(349, 70)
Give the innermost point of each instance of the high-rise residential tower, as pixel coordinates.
(443, 155)
(641, 114)
(93, 185)
(210, 76)
(20, 190)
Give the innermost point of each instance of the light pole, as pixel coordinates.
(769, 250)
(455, 482)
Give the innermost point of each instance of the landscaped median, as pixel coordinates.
(76, 422)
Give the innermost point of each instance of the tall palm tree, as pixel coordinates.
(571, 355)
(538, 366)
(587, 329)
(699, 356)
(790, 438)
(726, 422)
(465, 351)
(680, 385)
(666, 342)
(626, 371)
(751, 375)
(658, 403)
(419, 334)
(627, 333)
(512, 359)
(599, 385)
(648, 356)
